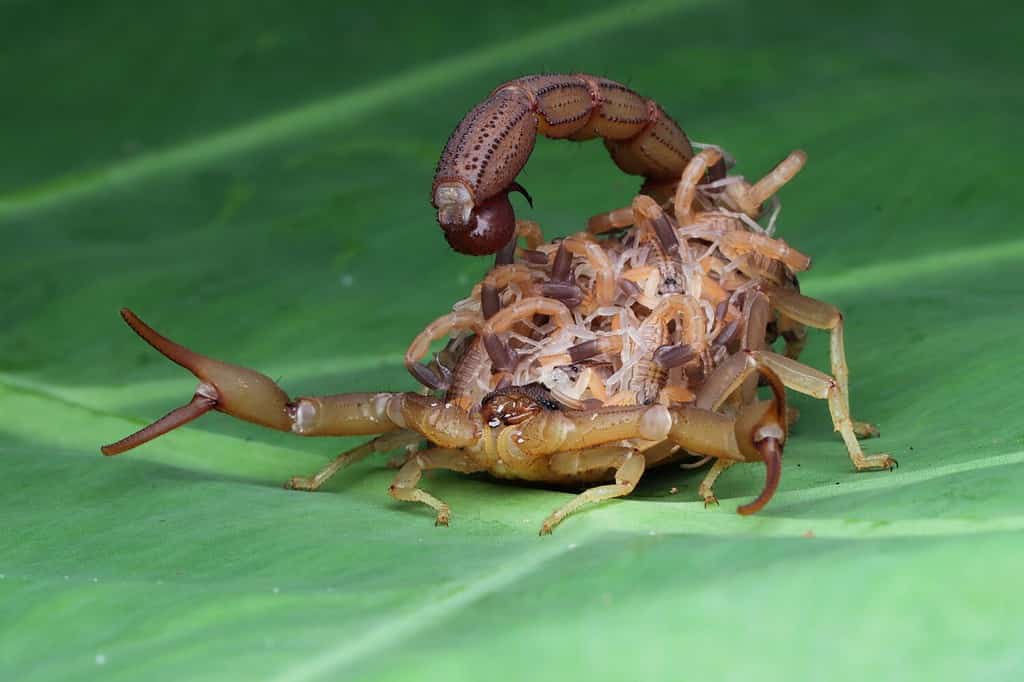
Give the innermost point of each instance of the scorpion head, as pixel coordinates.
(515, 404)
(476, 229)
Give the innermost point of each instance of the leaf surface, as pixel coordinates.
(254, 183)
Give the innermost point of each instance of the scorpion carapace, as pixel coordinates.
(482, 158)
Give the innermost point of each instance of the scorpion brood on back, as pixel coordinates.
(588, 359)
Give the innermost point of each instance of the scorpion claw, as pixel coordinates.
(771, 451)
(197, 407)
(238, 391)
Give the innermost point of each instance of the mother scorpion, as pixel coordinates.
(585, 360)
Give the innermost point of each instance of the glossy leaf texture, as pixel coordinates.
(253, 180)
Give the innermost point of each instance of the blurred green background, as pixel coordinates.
(253, 179)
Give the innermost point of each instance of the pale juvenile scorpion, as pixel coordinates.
(586, 360)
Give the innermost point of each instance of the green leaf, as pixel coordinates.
(254, 182)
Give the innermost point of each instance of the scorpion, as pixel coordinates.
(586, 360)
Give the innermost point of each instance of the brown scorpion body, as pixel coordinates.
(589, 359)
(490, 146)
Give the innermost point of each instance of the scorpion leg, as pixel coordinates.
(404, 486)
(755, 325)
(386, 443)
(804, 310)
(705, 489)
(627, 463)
(799, 377)
(811, 382)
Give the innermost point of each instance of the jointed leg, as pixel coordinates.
(804, 379)
(706, 485)
(385, 443)
(820, 315)
(755, 328)
(629, 467)
(811, 382)
(404, 485)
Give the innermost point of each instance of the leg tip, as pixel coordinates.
(877, 463)
(548, 526)
(300, 483)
